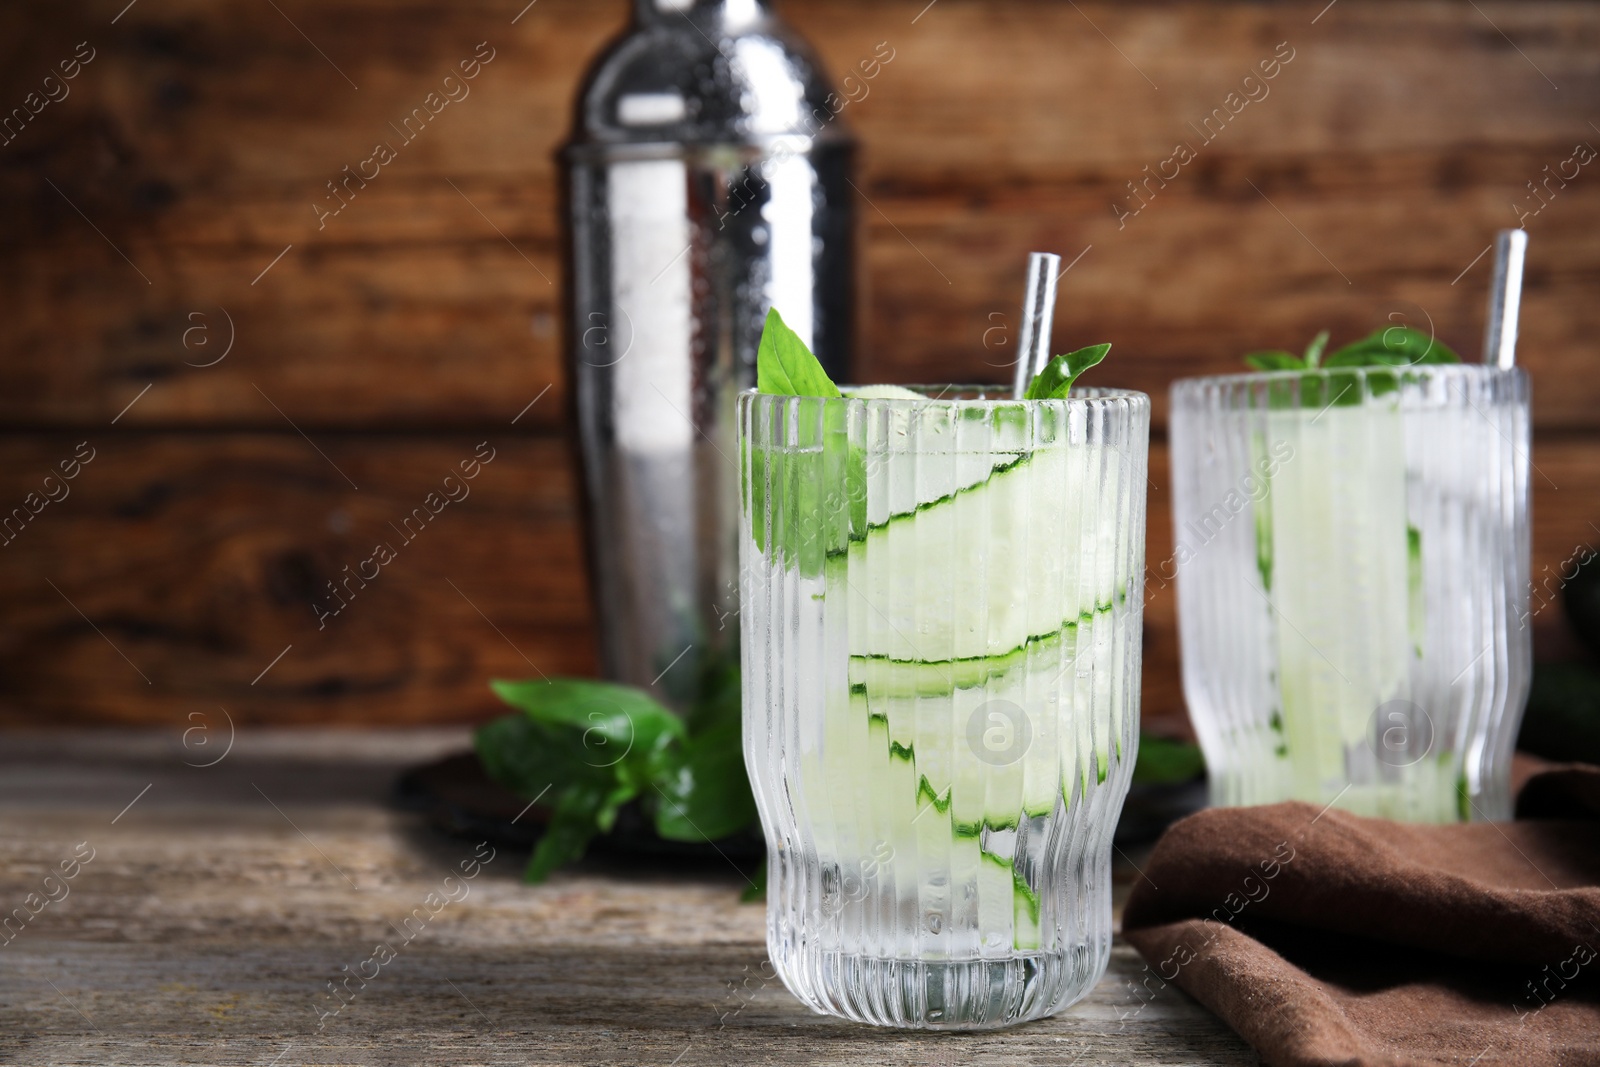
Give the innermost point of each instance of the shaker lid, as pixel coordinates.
(705, 72)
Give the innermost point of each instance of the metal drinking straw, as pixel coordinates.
(1038, 313)
(1505, 297)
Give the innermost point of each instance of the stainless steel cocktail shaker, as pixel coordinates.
(708, 180)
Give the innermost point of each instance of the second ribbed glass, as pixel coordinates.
(1352, 566)
(941, 604)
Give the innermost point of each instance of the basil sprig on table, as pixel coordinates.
(1391, 346)
(590, 747)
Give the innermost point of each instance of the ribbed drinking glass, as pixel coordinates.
(1352, 566)
(941, 603)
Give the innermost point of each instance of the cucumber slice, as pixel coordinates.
(1416, 601)
(812, 484)
(882, 392)
(931, 678)
(1343, 633)
(990, 568)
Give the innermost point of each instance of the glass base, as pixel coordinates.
(942, 994)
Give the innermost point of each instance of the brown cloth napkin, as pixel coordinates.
(1327, 938)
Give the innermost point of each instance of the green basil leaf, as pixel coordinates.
(529, 757)
(807, 520)
(757, 890)
(785, 366)
(1393, 346)
(817, 487)
(1341, 388)
(720, 700)
(1275, 359)
(581, 813)
(1055, 381)
(1381, 381)
(708, 797)
(1164, 762)
(611, 720)
(1315, 349)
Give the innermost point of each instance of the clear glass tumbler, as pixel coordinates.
(940, 634)
(1352, 566)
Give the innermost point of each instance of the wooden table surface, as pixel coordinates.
(220, 901)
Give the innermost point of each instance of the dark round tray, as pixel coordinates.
(460, 800)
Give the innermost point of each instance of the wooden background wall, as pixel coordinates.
(163, 209)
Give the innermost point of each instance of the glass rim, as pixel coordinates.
(1466, 370)
(1082, 395)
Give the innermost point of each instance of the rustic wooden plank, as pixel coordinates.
(471, 321)
(199, 554)
(212, 915)
(949, 102)
(977, 88)
(478, 339)
(200, 558)
(1396, 140)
